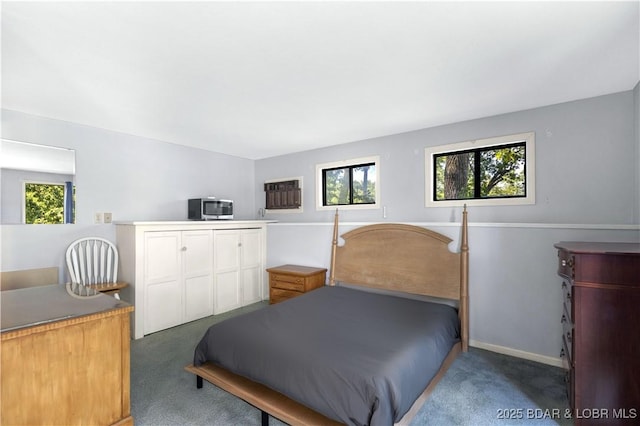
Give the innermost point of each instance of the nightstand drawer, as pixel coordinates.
(278, 295)
(287, 282)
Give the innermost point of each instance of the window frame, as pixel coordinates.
(430, 153)
(320, 168)
(23, 204)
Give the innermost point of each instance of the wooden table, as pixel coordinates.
(65, 360)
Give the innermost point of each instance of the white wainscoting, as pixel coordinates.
(514, 290)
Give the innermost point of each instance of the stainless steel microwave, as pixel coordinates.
(210, 208)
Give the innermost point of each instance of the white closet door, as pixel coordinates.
(226, 263)
(197, 263)
(163, 287)
(251, 265)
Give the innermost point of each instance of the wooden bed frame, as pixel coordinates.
(393, 257)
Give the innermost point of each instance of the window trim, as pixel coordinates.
(65, 214)
(530, 190)
(341, 164)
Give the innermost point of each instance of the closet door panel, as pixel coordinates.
(197, 270)
(163, 285)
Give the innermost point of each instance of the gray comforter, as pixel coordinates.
(357, 357)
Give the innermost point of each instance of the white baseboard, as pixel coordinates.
(556, 362)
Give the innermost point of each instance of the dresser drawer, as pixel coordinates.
(567, 340)
(567, 363)
(567, 318)
(570, 382)
(567, 296)
(565, 355)
(288, 282)
(566, 264)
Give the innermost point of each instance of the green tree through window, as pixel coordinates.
(44, 203)
(491, 172)
(349, 185)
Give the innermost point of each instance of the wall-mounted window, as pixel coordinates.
(350, 184)
(49, 203)
(283, 195)
(22, 163)
(494, 171)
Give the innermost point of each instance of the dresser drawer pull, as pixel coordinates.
(564, 284)
(288, 278)
(564, 318)
(569, 336)
(569, 296)
(568, 263)
(562, 353)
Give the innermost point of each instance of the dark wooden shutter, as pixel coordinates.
(283, 195)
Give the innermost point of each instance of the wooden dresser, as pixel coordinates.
(289, 281)
(601, 330)
(65, 360)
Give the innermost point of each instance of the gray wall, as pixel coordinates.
(133, 178)
(585, 170)
(586, 188)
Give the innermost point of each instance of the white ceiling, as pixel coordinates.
(262, 79)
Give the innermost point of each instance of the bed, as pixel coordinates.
(366, 349)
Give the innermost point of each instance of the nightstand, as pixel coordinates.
(289, 281)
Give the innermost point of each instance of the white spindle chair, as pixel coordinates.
(93, 263)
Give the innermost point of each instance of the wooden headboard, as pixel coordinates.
(404, 258)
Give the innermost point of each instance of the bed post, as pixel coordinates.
(464, 282)
(334, 246)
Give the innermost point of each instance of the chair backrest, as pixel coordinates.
(92, 260)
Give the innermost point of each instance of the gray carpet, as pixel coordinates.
(480, 388)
